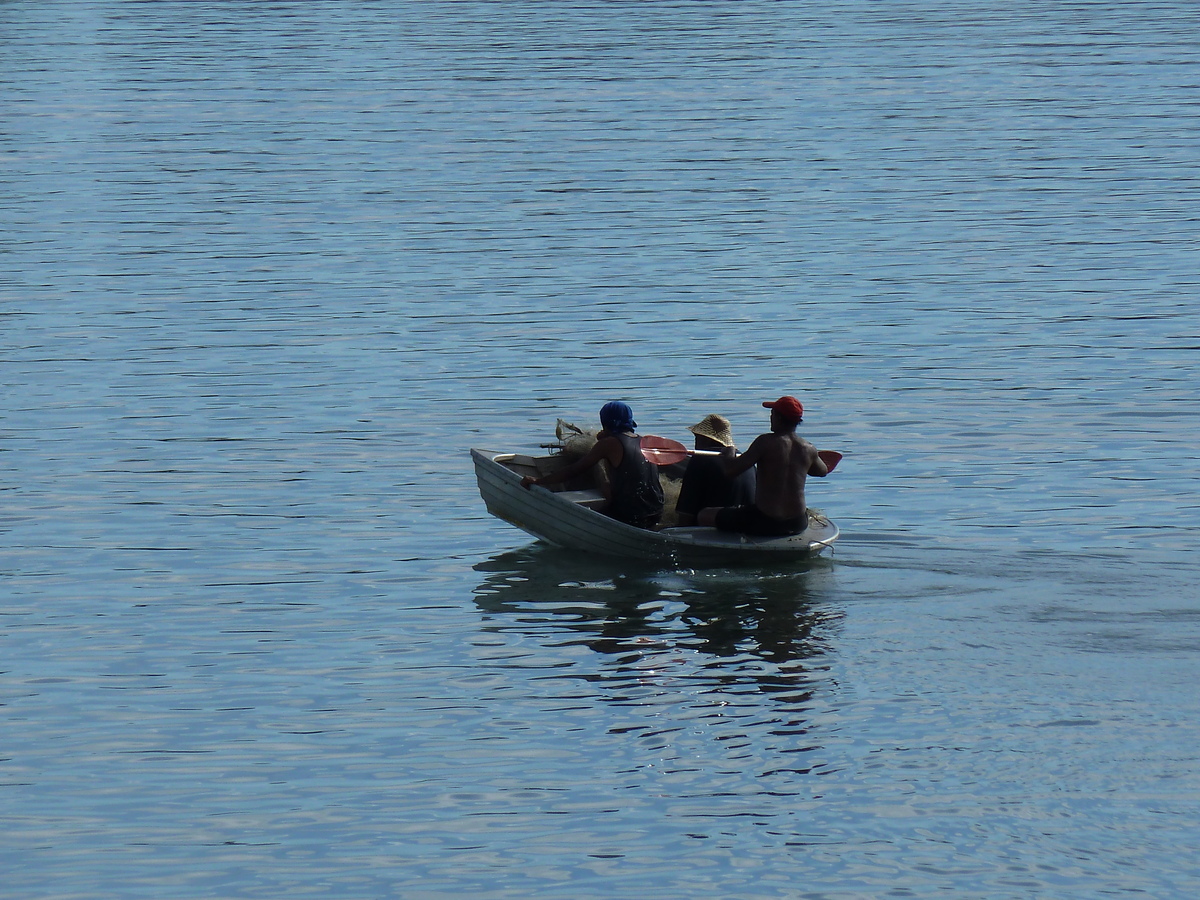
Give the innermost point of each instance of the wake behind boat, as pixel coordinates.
(566, 516)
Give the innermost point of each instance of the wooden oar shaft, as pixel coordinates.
(664, 451)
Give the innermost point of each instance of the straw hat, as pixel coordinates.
(714, 427)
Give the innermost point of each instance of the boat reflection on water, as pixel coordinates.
(663, 668)
(761, 616)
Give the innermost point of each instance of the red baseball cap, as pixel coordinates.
(788, 407)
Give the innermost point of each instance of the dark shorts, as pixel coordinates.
(752, 520)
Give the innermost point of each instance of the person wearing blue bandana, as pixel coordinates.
(636, 494)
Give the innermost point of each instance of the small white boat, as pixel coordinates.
(568, 518)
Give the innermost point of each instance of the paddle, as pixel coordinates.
(665, 452)
(830, 457)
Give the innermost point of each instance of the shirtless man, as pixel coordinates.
(783, 460)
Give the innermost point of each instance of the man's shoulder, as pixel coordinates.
(619, 440)
(778, 439)
(793, 445)
(805, 446)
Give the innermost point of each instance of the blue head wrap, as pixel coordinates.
(617, 416)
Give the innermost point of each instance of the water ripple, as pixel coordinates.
(270, 270)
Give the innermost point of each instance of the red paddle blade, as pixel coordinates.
(830, 457)
(664, 457)
(663, 451)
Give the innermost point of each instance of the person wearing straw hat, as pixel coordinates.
(782, 460)
(705, 482)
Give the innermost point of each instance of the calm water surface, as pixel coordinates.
(269, 270)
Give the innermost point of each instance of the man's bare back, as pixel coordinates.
(783, 464)
(783, 461)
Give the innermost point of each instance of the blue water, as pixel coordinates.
(267, 271)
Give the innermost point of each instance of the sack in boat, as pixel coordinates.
(575, 441)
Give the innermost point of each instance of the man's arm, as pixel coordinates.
(818, 467)
(735, 464)
(602, 449)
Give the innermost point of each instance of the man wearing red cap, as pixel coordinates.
(782, 461)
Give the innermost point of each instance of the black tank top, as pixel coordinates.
(637, 494)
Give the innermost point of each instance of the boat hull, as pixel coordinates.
(565, 519)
